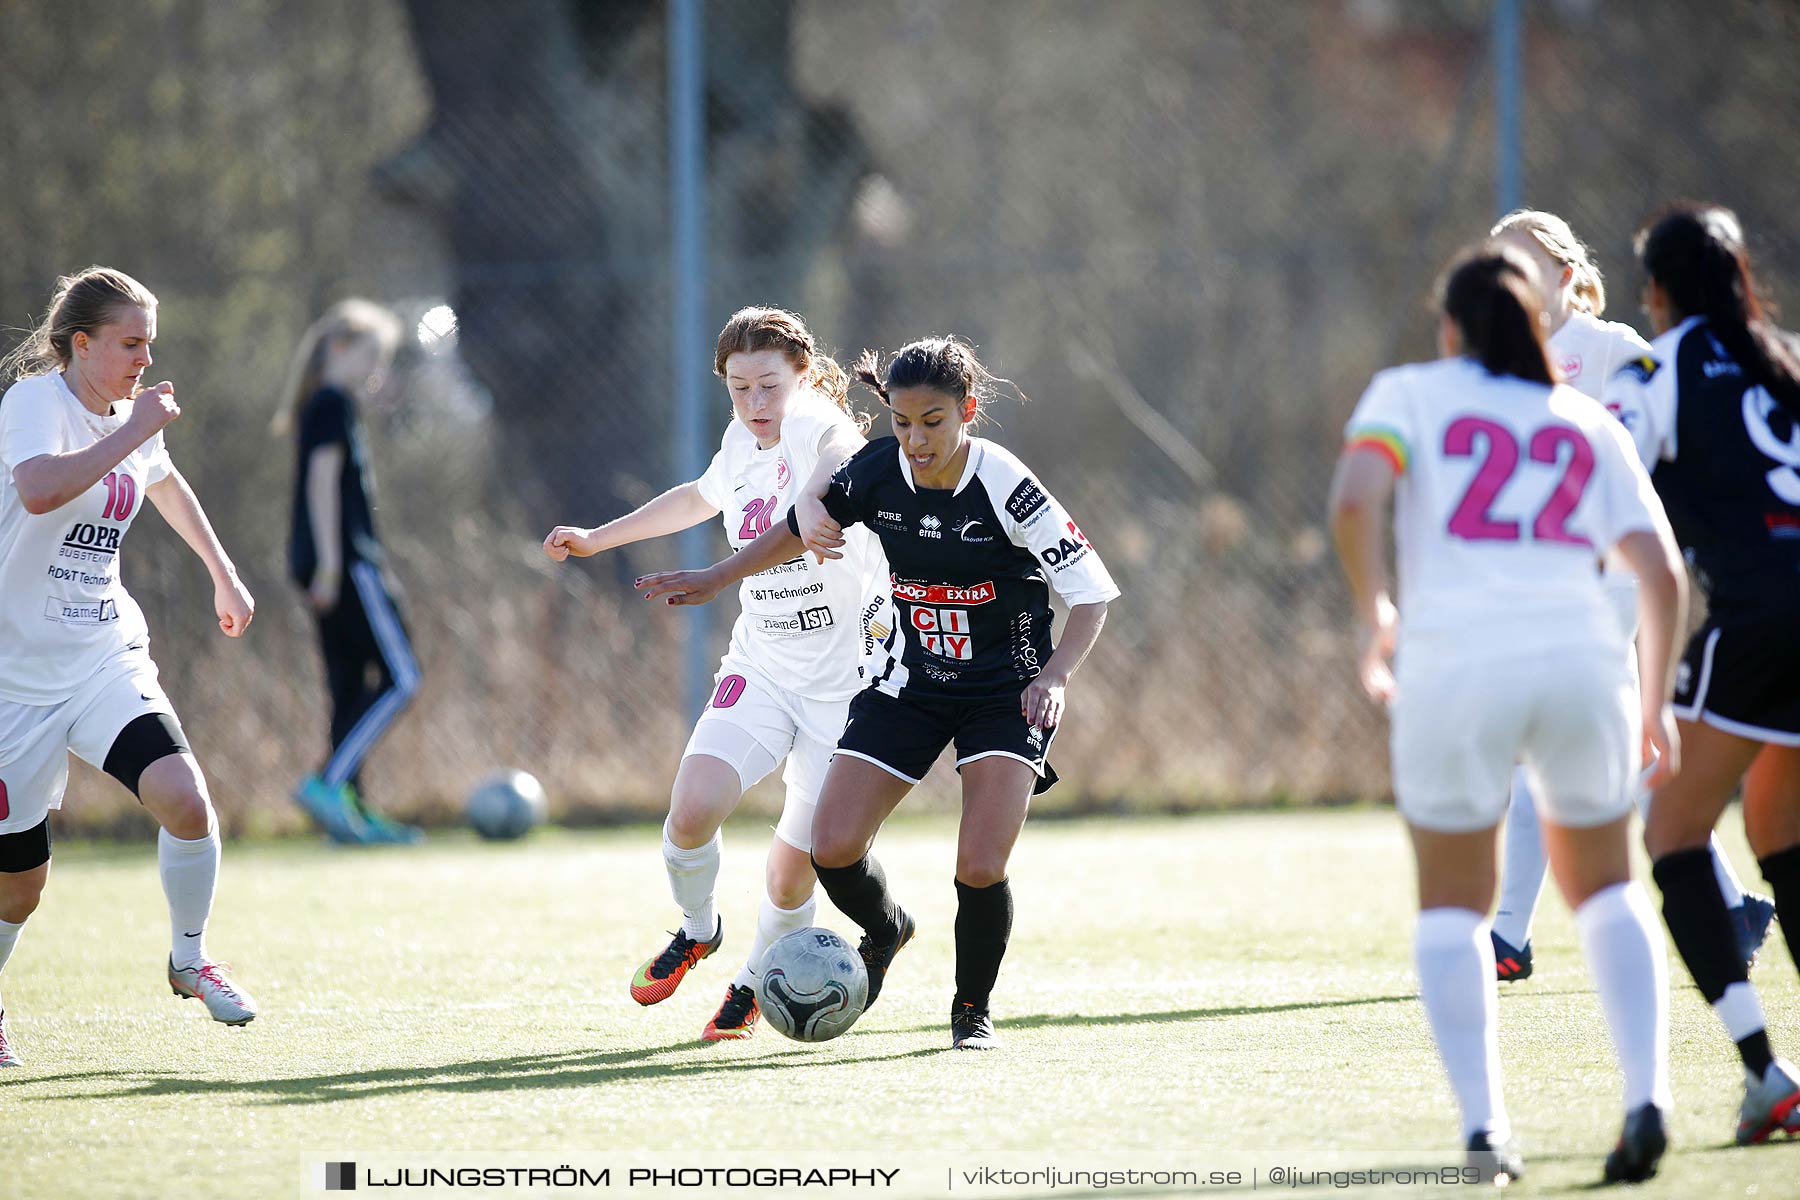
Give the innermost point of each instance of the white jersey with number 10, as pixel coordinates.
(1509, 494)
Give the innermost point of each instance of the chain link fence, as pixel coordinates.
(1188, 231)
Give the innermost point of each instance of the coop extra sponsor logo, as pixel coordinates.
(943, 593)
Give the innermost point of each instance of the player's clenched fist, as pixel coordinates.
(565, 540)
(153, 408)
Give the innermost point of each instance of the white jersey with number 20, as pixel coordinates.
(801, 622)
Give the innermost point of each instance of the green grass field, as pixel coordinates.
(1235, 987)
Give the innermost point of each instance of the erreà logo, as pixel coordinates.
(930, 526)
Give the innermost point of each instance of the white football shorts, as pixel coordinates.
(1459, 723)
(35, 739)
(753, 723)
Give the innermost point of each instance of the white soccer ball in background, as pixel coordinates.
(506, 805)
(812, 985)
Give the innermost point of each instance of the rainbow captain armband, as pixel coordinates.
(1383, 441)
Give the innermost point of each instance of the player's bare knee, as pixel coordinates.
(691, 825)
(174, 792)
(790, 893)
(980, 871)
(19, 895)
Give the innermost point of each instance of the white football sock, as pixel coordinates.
(1623, 942)
(190, 873)
(1740, 1010)
(1521, 866)
(1455, 958)
(1730, 886)
(9, 937)
(772, 924)
(693, 874)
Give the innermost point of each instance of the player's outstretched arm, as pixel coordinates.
(1662, 620)
(175, 500)
(1043, 700)
(1359, 494)
(697, 587)
(676, 509)
(824, 536)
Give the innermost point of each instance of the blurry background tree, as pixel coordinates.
(1189, 231)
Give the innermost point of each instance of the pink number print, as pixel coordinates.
(1470, 521)
(121, 495)
(1552, 524)
(730, 689)
(757, 516)
(5, 804)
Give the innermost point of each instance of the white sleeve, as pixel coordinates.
(803, 431)
(29, 427)
(714, 486)
(1627, 501)
(1031, 518)
(158, 466)
(1383, 421)
(1641, 394)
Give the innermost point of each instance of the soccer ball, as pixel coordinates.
(812, 985)
(506, 805)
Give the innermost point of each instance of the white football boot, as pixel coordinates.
(209, 984)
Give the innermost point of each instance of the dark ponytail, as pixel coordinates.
(1696, 254)
(1489, 293)
(944, 364)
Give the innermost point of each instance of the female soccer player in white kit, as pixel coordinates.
(81, 445)
(1510, 490)
(1587, 354)
(785, 684)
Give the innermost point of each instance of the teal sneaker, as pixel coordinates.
(334, 810)
(380, 828)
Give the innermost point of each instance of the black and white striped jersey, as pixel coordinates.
(972, 568)
(1725, 458)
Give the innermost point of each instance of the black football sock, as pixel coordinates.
(860, 892)
(983, 925)
(1782, 870)
(1695, 912)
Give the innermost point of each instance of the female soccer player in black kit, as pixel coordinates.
(1715, 413)
(975, 544)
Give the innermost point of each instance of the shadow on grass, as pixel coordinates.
(573, 1069)
(1061, 1020)
(570, 1070)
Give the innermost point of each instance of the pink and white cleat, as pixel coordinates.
(8, 1056)
(209, 984)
